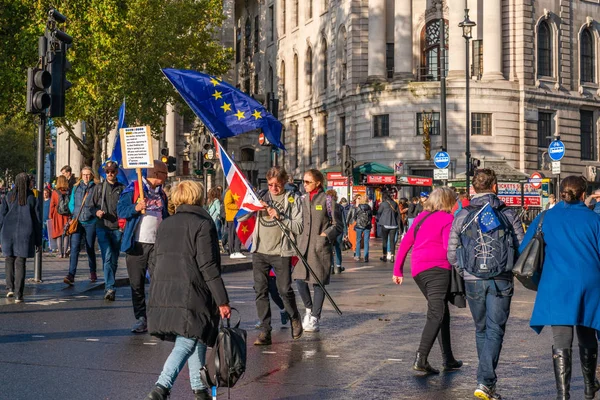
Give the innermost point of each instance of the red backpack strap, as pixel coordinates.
(136, 192)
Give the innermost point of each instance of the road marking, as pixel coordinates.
(369, 309)
(269, 352)
(38, 336)
(240, 287)
(358, 268)
(529, 367)
(150, 344)
(365, 287)
(394, 359)
(92, 340)
(332, 356)
(239, 302)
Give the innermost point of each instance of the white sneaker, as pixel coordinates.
(389, 256)
(306, 319)
(313, 325)
(241, 255)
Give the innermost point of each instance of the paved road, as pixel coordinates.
(79, 347)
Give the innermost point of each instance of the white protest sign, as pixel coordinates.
(136, 145)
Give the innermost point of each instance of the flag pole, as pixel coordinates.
(474, 218)
(287, 235)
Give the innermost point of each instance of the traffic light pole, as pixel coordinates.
(37, 274)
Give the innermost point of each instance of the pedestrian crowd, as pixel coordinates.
(462, 251)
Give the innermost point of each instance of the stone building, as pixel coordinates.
(366, 73)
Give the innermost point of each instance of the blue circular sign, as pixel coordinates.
(556, 150)
(441, 159)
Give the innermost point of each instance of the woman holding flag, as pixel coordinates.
(323, 223)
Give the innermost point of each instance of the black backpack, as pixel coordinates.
(63, 204)
(226, 363)
(362, 218)
(489, 254)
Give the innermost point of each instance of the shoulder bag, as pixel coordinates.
(73, 224)
(528, 268)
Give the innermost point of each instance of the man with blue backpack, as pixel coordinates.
(483, 247)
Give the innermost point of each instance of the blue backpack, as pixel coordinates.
(486, 255)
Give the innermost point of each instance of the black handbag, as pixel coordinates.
(528, 268)
(346, 245)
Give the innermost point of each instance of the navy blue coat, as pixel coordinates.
(569, 290)
(20, 226)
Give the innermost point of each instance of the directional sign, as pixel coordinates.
(536, 180)
(556, 150)
(441, 174)
(441, 159)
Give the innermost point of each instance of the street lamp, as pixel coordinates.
(467, 28)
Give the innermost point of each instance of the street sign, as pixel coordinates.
(536, 180)
(441, 159)
(136, 145)
(441, 174)
(556, 167)
(556, 150)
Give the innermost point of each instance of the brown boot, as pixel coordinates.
(296, 328)
(263, 339)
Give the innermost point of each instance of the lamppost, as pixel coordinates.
(467, 27)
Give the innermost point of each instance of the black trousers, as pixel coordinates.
(15, 274)
(235, 246)
(315, 305)
(434, 284)
(261, 265)
(391, 233)
(563, 337)
(138, 260)
(274, 293)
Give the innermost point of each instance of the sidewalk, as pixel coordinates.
(55, 269)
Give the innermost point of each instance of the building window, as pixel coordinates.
(256, 34)
(296, 77)
(324, 125)
(247, 85)
(247, 154)
(325, 5)
(477, 65)
(587, 57)
(342, 130)
(308, 64)
(308, 131)
(256, 84)
(283, 6)
(247, 38)
(434, 123)
(342, 54)
(544, 129)
(481, 124)
(325, 65)
(283, 94)
(271, 24)
(544, 43)
(296, 144)
(238, 45)
(270, 78)
(381, 125)
(588, 136)
(309, 9)
(430, 51)
(389, 60)
(296, 15)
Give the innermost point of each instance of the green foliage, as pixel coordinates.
(18, 151)
(118, 49)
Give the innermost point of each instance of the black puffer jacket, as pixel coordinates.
(186, 286)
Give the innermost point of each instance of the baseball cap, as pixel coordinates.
(424, 194)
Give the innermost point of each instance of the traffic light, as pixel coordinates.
(57, 64)
(38, 99)
(346, 161)
(164, 155)
(171, 164)
(474, 163)
(208, 163)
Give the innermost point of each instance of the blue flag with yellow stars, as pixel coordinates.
(488, 221)
(225, 110)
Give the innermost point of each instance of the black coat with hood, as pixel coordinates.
(186, 288)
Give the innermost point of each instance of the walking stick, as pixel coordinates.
(301, 257)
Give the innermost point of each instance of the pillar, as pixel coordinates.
(492, 40)
(456, 48)
(403, 43)
(376, 64)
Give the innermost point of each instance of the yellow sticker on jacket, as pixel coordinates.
(319, 207)
(291, 199)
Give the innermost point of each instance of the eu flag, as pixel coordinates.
(488, 221)
(225, 110)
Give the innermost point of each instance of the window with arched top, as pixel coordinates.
(587, 57)
(247, 38)
(324, 63)
(247, 154)
(342, 54)
(309, 70)
(431, 51)
(544, 49)
(296, 77)
(270, 79)
(282, 82)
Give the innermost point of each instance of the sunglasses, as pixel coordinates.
(111, 172)
(308, 182)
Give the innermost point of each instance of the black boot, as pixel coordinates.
(589, 360)
(158, 393)
(422, 365)
(452, 364)
(203, 394)
(562, 372)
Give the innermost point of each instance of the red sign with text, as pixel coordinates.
(335, 175)
(416, 180)
(515, 201)
(381, 179)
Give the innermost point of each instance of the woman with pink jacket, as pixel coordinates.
(428, 238)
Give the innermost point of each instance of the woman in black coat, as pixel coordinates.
(187, 294)
(20, 232)
(388, 216)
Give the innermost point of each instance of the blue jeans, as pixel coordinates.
(410, 221)
(359, 233)
(87, 233)
(489, 302)
(109, 241)
(337, 251)
(186, 350)
(219, 226)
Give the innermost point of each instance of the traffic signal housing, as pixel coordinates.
(164, 155)
(347, 164)
(58, 66)
(474, 163)
(38, 99)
